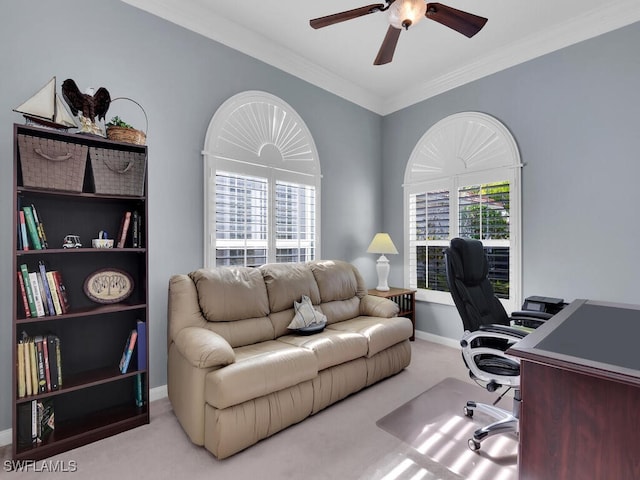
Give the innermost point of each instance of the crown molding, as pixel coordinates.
(588, 25)
(195, 16)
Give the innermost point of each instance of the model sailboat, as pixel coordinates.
(46, 108)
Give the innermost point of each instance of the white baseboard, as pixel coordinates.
(430, 337)
(158, 393)
(5, 437)
(155, 393)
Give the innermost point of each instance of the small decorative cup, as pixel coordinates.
(102, 243)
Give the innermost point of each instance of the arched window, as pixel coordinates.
(463, 180)
(262, 184)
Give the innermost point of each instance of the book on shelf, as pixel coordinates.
(28, 360)
(23, 231)
(36, 421)
(51, 281)
(39, 227)
(47, 291)
(22, 387)
(28, 290)
(23, 295)
(62, 291)
(37, 296)
(139, 397)
(136, 222)
(55, 363)
(42, 379)
(124, 229)
(32, 228)
(128, 351)
(141, 328)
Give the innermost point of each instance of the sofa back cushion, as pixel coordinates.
(286, 283)
(341, 287)
(238, 295)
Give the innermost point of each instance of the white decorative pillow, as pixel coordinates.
(305, 314)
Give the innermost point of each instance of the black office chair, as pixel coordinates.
(487, 335)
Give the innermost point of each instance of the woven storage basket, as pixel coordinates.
(128, 135)
(116, 172)
(52, 164)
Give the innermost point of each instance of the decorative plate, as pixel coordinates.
(108, 285)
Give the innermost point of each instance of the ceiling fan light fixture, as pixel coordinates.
(403, 13)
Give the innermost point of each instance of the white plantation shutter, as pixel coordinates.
(262, 184)
(295, 222)
(241, 219)
(463, 180)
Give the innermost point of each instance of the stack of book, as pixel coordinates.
(136, 340)
(39, 364)
(43, 292)
(130, 233)
(31, 234)
(36, 421)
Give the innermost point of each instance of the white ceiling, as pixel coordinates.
(430, 58)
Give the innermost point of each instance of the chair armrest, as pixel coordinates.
(203, 348)
(512, 333)
(529, 318)
(472, 350)
(373, 306)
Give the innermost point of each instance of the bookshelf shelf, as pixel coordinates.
(94, 399)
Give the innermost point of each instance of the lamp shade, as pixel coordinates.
(382, 243)
(403, 13)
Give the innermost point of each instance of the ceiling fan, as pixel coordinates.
(403, 14)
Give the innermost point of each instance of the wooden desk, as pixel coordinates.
(406, 300)
(580, 383)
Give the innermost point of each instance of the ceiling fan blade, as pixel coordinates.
(388, 47)
(466, 23)
(348, 15)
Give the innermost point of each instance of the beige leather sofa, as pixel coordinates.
(236, 374)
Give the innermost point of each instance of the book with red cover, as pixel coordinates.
(122, 238)
(62, 291)
(23, 292)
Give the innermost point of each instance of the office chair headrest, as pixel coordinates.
(471, 265)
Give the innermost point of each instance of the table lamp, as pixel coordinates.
(382, 244)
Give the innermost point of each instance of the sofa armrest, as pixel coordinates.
(373, 306)
(203, 348)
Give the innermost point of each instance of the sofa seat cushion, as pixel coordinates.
(380, 333)
(331, 347)
(259, 369)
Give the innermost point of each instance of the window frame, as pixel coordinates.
(290, 157)
(443, 169)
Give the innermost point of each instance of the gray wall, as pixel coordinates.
(180, 78)
(574, 115)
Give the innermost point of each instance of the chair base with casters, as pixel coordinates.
(506, 422)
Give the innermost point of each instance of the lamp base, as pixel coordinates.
(382, 267)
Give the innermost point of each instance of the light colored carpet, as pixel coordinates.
(341, 442)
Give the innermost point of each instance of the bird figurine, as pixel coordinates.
(91, 105)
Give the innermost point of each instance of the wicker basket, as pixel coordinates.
(129, 135)
(52, 164)
(117, 172)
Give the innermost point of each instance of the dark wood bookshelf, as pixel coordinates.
(95, 400)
